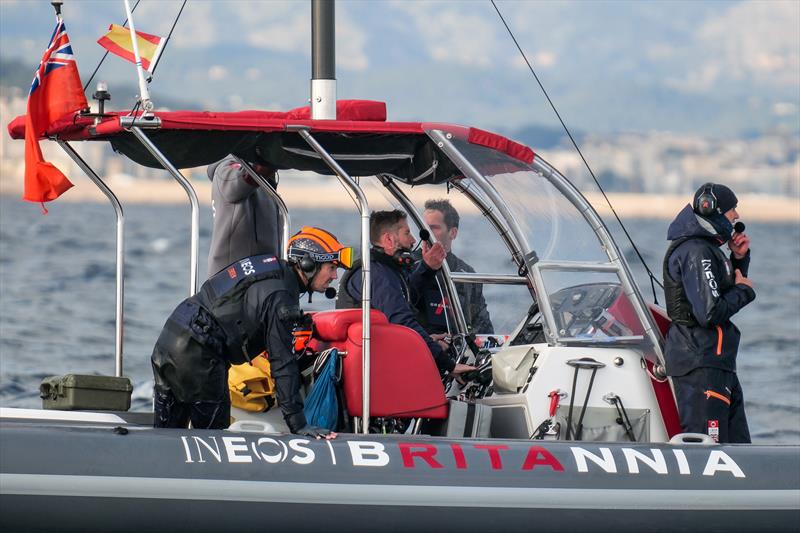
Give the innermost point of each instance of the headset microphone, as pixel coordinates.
(738, 227)
(330, 293)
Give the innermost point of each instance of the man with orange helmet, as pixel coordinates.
(246, 308)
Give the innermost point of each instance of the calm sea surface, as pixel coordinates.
(57, 279)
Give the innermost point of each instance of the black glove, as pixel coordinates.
(313, 431)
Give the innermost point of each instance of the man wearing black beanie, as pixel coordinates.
(703, 290)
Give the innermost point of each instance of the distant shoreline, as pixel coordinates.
(753, 207)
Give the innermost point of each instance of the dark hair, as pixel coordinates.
(451, 218)
(381, 222)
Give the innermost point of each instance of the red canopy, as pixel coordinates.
(360, 139)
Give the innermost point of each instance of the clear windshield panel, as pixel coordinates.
(553, 226)
(497, 310)
(589, 305)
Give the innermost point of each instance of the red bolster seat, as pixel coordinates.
(404, 380)
(332, 325)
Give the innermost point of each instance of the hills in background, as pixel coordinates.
(718, 68)
(660, 94)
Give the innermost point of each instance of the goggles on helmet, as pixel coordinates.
(320, 246)
(341, 258)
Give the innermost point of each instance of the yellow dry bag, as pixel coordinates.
(251, 385)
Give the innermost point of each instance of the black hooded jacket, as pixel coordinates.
(707, 278)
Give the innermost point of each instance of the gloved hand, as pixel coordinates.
(316, 432)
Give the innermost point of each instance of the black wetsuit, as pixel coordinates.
(702, 342)
(247, 308)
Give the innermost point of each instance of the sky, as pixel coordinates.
(718, 68)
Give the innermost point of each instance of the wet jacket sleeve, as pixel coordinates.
(279, 317)
(387, 297)
(701, 273)
(233, 182)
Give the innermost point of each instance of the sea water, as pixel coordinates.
(57, 279)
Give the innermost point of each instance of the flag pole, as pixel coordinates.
(144, 95)
(57, 6)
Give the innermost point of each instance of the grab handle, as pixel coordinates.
(694, 439)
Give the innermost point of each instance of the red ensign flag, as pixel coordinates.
(56, 90)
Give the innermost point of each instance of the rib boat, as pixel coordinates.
(569, 424)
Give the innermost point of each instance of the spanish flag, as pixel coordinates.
(118, 41)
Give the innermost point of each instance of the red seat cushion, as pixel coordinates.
(332, 325)
(404, 381)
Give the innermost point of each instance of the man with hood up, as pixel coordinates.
(703, 290)
(246, 219)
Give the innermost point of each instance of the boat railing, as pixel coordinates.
(190, 192)
(366, 286)
(120, 252)
(496, 279)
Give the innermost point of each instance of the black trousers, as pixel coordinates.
(710, 401)
(172, 413)
(191, 379)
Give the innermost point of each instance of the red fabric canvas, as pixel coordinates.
(55, 92)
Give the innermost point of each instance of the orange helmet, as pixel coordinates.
(312, 246)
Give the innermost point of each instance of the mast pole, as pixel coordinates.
(144, 93)
(323, 60)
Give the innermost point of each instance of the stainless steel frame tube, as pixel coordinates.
(120, 255)
(366, 286)
(190, 192)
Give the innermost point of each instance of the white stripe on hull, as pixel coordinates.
(395, 495)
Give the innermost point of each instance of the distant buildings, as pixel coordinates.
(663, 163)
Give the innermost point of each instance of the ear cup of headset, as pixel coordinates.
(307, 264)
(706, 203)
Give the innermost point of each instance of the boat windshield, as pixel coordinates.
(554, 228)
(580, 290)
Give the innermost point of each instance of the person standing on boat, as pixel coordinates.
(703, 290)
(443, 220)
(395, 287)
(246, 218)
(248, 307)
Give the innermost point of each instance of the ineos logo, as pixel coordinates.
(247, 267)
(712, 282)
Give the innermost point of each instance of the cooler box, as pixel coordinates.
(76, 391)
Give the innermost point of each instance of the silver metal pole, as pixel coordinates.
(147, 105)
(455, 303)
(284, 211)
(323, 60)
(190, 192)
(366, 286)
(629, 286)
(120, 257)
